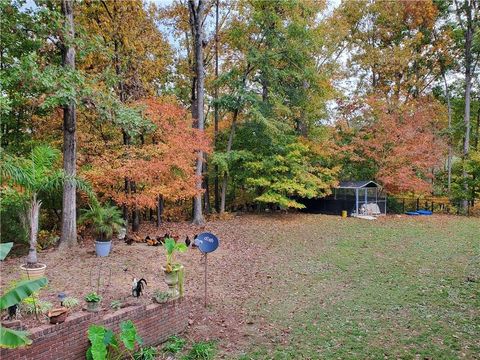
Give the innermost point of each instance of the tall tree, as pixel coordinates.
(69, 218)
(197, 9)
(468, 17)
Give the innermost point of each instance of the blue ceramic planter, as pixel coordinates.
(102, 248)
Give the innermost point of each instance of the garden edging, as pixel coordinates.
(154, 322)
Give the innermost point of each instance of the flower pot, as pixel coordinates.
(102, 248)
(58, 316)
(35, 272)
(175, 288)
(171, 278)
(93, 306)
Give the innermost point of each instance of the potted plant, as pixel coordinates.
(93, 301)
(33, 178)
(173, 271)
(105, 220)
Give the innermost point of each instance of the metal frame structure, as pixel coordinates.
(359, 193)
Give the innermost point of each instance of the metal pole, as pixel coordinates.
(205, 279)
(356, 201)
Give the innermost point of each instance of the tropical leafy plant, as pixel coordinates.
(36, 176)
(105, 344)
(12, 338)
(93, 297)
(5, 249)
(105, 220)
(171, 247)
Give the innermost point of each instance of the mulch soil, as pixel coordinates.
(236, 272)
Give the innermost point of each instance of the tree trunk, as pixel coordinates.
(217, 195)
(197, 13)
(69, 215)
(469, 26)
(229, 148)
(159, 211)
(449, 108)
(206, 186)
(33, 215)
(135, 220)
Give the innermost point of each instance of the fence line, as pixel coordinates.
(439, 205)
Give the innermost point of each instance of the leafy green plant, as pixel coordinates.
(93, 297)
(70, 302)
(105, 220)
(116, 304)
(161, 296)
(106, 344)
(46, 239)
(33, 305)
(171, 247)
(203, 350)
(148, 353)
(174, 344)
(5, 249)
(11, 338)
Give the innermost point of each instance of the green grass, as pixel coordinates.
(354, 289)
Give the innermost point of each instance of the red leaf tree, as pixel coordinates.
(160, 163)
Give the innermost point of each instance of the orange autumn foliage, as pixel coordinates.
(162, 163)
(402, 142)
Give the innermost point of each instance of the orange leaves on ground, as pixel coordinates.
(160, 163)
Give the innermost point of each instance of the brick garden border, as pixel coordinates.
(68, 341)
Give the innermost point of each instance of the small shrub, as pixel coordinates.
(93, 297)
(46, 239)
(174, 344)
(70, 302)
(30, 303)
(116, 304)
(203, 350)
(161, 296)
(149, 353)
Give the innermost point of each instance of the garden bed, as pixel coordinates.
(68, 341)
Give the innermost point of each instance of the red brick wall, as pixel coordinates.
(154, 322)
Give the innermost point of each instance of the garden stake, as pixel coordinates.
(205, 279)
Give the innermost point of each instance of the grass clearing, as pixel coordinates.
(394, 288)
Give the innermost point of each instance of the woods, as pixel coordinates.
(196, 107)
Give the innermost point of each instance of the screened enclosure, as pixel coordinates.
(355, 197)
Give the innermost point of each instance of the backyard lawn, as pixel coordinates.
(395, 288)
(302, 286)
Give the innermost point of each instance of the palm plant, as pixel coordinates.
(105, 220)
(33, 177)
